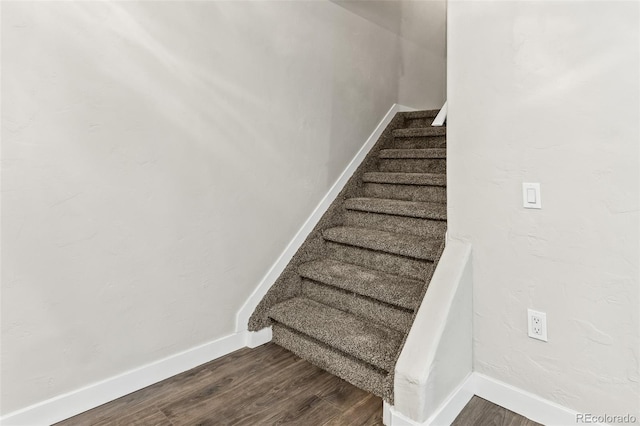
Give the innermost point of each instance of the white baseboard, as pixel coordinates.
(70, 404)
(242, 318)
(258, 338)
(453, 405)
(519, 401)
(522, 402)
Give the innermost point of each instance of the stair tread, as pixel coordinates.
(439, 153)
(388, 288)
(372, 343)
(430, 113)
(360, 374)
(390, 242)
(433, 179)
(419, 209)
(420, 132)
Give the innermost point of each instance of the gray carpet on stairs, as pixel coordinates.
(348, 297)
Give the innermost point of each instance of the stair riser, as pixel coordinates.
(418, 122)
(335, 362)
(401, 224)
(381, 313)
(413, 165)
(436, 194)
(417, 143)
(392, 264)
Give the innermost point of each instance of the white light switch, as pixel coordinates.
(531, 196)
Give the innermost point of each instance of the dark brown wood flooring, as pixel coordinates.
(263, 386)
(480, 412)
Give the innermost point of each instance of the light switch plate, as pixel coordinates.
(531, 196)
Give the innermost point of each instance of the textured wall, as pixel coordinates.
(548, 92)
(421, 25)
(424, 53)
(156, 159)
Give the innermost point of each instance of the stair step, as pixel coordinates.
(432, 194)
(413, 165)
(416, 269)
(373, 344)
(389, 242)
(392, 289)
(433, 179)
(423, 210)
(430, 113)
(335, 362)
(413, 153)
(393, 223)
(416, 143)
(420, 132)
(363, 307)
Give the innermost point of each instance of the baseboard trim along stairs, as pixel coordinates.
(242, 317)
(519, 401)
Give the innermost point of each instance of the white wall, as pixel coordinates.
(421, 25)
(156, 159)
(548, 92)
(424, 53)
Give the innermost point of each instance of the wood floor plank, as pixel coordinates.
(276, 395)
(162, 392)
(253, 380)
(303, 409)
(342, 394)
(480, 412)
(148, 416)
(367, 412)
(266, 386)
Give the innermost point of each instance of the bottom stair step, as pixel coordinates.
(335, 362)
(371, 343)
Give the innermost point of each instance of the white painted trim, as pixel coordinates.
(257, 338)
(510, 397)
(453, 405)
(242, 318)
(386, 413)
(441, 117)
(70, 404)
(522, 402)
(446, 412)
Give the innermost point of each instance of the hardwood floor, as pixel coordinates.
(480, 412)
(263, 386)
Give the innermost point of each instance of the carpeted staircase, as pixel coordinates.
(347, 299)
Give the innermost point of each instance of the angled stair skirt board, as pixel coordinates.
(276, 269)
(519, 401)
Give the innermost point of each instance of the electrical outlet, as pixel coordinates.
(537, 322)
